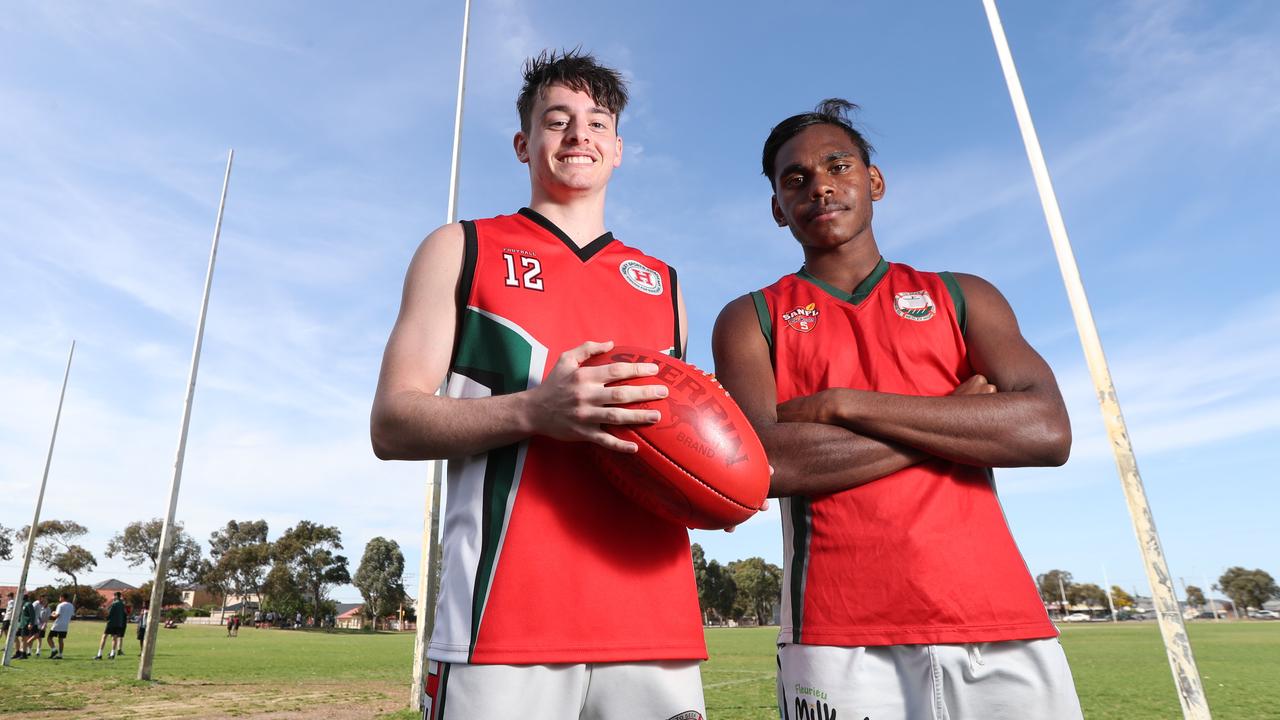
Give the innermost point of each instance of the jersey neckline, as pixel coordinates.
(859, 293)
(585, 252)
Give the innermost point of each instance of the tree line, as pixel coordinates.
(742, 589)
(1245, 588)
(290, 575)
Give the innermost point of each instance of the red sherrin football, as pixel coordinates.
(701, 465)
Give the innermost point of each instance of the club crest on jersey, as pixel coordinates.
(642, 278)
(802, 319)
(916, 305)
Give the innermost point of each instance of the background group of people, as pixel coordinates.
(38, 619)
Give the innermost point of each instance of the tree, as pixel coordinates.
(86, 599)
(281, 592)
(1050, 590)
(7, 537)
(139, 544)
(57, 551)
(241, 556)
(1248, 588)
(1121, 598)
(759, 586)
(1087, 594)
(1195, 596)
(380, 578)
(307, 551)
(722, 591)
(700, 578)
(172, 595)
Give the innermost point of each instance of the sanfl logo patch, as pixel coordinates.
(802, 319)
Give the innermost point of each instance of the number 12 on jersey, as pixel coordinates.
(531, 279)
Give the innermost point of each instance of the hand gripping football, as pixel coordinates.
(701, 465)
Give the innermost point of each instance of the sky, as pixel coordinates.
(1160, 123)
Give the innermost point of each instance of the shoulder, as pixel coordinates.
(740, 309)
(630, 252)
(981, 296)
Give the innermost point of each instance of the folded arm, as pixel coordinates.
(1024, 423)
(808, 458)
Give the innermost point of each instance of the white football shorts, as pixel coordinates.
(599, 691)
(1017, 679)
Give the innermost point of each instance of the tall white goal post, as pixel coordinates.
(1177, 646)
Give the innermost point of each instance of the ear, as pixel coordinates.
(877, 182)
(617, 154)
(521, 144)
(778, 217)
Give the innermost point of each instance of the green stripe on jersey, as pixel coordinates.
(796, 510)
(859, 293)
(762, 314)
(957, 298)
(502, 356)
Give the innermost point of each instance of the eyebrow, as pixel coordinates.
(594, 110)
(829, 157)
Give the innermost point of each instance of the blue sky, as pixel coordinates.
(1160, 123)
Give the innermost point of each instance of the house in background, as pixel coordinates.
(108, 589)
(195, 596)
(349, 616)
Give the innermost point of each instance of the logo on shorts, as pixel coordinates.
(642, 278)
(687, 715)
(818, 710)
(916, 305)
(802, 319)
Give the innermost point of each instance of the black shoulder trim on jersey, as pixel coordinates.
(678, 351)
(762, 315)
(957, 299)
(584, 253)
(466, 278)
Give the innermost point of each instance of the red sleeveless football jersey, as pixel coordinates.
(922, 555)
(544, 561)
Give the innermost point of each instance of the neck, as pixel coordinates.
(581, 218)
(846, 265)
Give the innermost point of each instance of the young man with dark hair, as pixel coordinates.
(884, 396)
(26, 632)
(559, 597)
(61, 625)
(117, 621)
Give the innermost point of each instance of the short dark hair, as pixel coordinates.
(117, 594)
(832, 111)
(575, 70)
(64, 596)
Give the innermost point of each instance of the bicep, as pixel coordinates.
(742, 361)
(996, 346)
(421, 342)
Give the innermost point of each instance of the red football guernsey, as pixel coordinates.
(544, 561)
(919, 556)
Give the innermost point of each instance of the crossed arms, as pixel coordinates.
(1009, 414)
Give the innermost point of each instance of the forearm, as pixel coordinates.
(812, 459)
(1004, 429)
(414, 425)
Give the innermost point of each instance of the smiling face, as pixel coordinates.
(572, 145)
(823, 190)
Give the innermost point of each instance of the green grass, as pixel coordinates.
(201, 671)
(1120, 672)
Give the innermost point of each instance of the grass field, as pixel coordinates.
(1120, 671)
